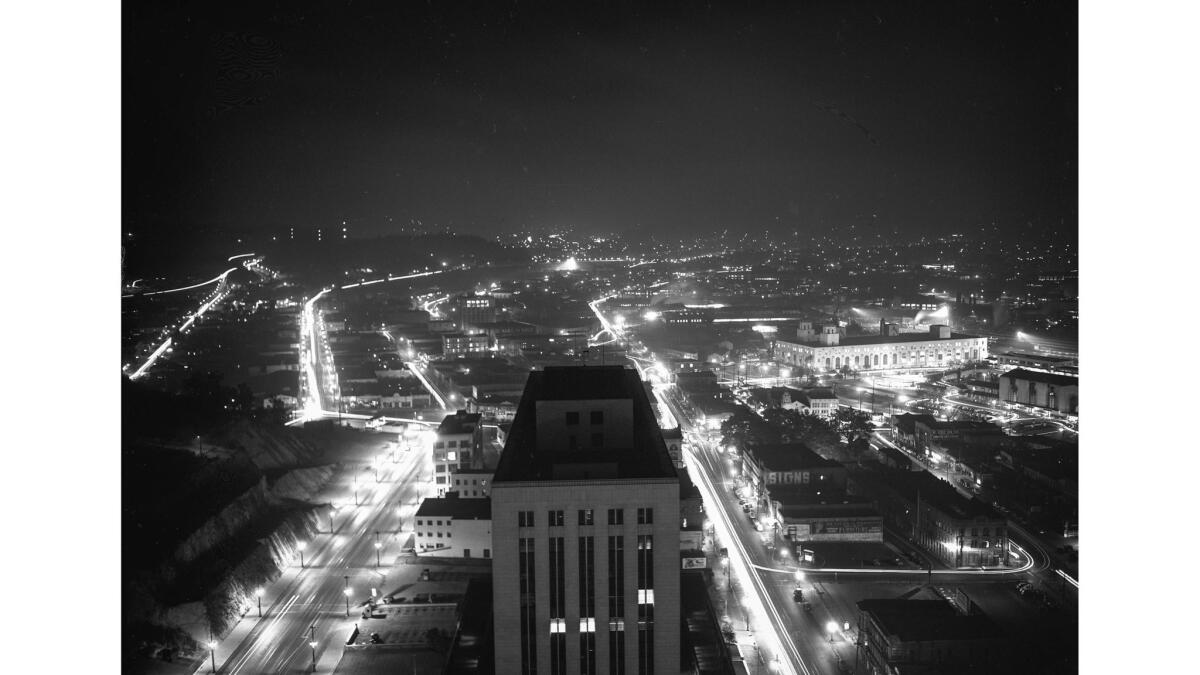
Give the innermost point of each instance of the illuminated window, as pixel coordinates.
(558, 625)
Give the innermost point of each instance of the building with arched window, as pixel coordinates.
(939, 348)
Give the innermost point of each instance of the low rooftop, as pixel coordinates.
(929, 489)
(461, 422)
(928, 620)
(789, 457)
(458, 509)
(1042, 376)
(868, 340)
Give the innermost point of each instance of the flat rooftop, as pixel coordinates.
(522, 460)
(461, 422)
(868, 340)
(453, 507)
(928, 620)
(1038, 357)
(930, 489)
(1041, 376)
(789, 456)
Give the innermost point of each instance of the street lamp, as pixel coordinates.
(831, 628)
(378, 546)
(313, 645)
(259, 592)
(346, 592)
(300, 547)
(212, 651)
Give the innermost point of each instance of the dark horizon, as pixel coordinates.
(914, 121)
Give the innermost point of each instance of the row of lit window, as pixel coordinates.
(557, 518)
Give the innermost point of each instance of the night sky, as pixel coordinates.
(921, 117)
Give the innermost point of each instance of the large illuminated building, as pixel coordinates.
(825, 348)
(585, 528)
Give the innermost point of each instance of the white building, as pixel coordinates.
(585, 507)
(459, 445)
(471, 483)
(939, 348)
(454, 527)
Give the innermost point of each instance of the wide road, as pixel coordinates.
(782, 639)
(310, 600)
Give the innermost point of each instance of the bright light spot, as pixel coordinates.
(568, 265)
(651, 315)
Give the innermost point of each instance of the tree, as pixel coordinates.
(852, 425)
(819, 435)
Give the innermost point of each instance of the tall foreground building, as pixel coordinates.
(585, 530)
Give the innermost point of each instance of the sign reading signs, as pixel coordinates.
(695, 563)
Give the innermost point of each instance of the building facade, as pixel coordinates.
(472, 311)
(586, 518)
(462, 344)
(454, 527)
(958, 531)
(1040, 389)
(899, 636)
(471, 483)
(829, 350)
(459, 444)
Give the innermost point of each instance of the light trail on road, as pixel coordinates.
(768, 621)
(1025, 567)
(202, 284)
(390, 278)
(313, 595)
(217, 296)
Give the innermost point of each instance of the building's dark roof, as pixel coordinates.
(702, 645)
(521, 460)
(571, 383)
(812, 509)
(1046, 358)
(928, 620)
(907, 423)
(961, 425)
(1053, 464)
(931, 490)
(1039, 376)
(453, 507)
(789, 457)
(458, 423)
(673, 432)
(472, 651)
